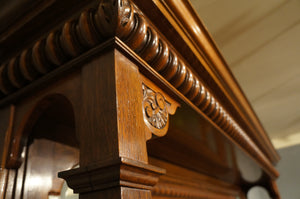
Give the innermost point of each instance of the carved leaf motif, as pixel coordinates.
(155, 108)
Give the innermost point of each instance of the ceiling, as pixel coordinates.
(260, 41)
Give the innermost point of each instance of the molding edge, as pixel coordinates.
(104, 175)
(144, 40)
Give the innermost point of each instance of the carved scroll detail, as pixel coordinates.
(155, 108)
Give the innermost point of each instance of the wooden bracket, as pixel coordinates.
(157, 106)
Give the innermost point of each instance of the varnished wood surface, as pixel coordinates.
(44, 160)
(73, 91)
(180, 18)
(31, 110)
(166, 62)
(223, 120)
(183, 183)
(14, 9)
(178, 182)
(37, 177)
(29, 19)
(106, 80)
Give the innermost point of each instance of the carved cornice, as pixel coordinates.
(141, 37)
(121, 172)
(92, 27)
(122, 19)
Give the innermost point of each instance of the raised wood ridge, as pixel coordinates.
(121, 172)
(182, 183)
(185, 21)
(122, 19)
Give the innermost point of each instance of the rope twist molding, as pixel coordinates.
(122, 19)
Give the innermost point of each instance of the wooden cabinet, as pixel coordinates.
(133, 93)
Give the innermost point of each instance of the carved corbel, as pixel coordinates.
(157, 106)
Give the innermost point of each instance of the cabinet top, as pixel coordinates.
(57, 32)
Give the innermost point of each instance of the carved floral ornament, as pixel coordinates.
(156, 110)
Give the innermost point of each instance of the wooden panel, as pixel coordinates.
(44, 160)
(183, 183)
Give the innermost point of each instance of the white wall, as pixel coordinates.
(258, 193)
(288, 167)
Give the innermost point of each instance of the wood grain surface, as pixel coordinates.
(135, 92)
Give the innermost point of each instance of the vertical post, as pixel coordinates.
(111, 130)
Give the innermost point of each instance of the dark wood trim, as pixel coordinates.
(104, 175)
(175, 184)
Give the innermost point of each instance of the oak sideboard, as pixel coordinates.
(123, 99)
